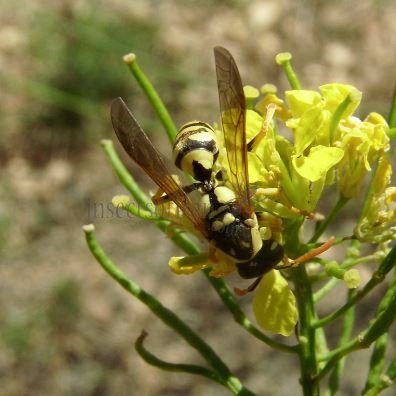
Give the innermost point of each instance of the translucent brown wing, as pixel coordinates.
(139, 147)
(233, 116)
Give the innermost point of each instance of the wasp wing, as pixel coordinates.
(139, 147)
(233, 116)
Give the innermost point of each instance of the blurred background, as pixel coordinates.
(65, 327)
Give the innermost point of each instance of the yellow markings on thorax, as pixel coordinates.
(217, 225)
(228, 219)
(251, 222)
(204, 205)
(216, 212)
(224, 194)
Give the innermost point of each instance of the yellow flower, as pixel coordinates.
(352, 278)
(378, 221)
(120, 200)
(220, 265)
(288, 177)
(282, 112)
(363, 142)
(187, 265)
(274, 304)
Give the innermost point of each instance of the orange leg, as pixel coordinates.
(309, 255)
(250, 288)
(212, 254)
(289, 263)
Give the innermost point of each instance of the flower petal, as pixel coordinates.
(318, 162)
(336, 93)
(299, 101)
(187, 265)
(274, 304)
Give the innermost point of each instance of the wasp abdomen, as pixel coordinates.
(270, 254)
(196, 150)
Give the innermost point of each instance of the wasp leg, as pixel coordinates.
(213, 257)
(249, 289)
(307, 256)
(159, 198)
(266, 124)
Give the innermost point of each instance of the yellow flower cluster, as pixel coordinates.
(377, 224)
(329, 144)
(314, 141)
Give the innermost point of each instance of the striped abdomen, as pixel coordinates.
(196, 150)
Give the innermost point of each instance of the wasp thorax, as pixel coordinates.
(224, 195)
(196, 150)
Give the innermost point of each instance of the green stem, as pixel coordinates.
(330, 217)
(165, 314)
(230, 302)
(391, 372)
(284, 59)
(190, 248)
(142, 199)
(307, 336)
(365, 259)
(378, 276)
(152, 96)
(351, 259)
(384, 318)
(376, 381)
(138, 212)
(335, 119)
(125, 177)
(352, 255)
(347, 264)
(392, 111)
(251, 95)
(384, 381)
(151, 359)
(377, 362)
(346, 332)
(324, 290)
(391, 133)
(369, 193)
(353, 301)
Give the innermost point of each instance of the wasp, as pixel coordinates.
(230, 223)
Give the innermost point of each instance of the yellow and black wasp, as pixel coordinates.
(230, 223)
